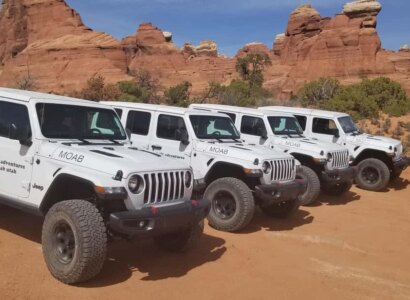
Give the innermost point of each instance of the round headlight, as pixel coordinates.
(136, 184)
(266, 167)
(188, 179)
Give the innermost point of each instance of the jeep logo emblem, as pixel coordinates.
(70, 156)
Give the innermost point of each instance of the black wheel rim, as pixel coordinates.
(224, 205)
(370, 175)
(64, 242)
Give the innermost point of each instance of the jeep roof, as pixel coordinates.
(243, 110)
(305, 111)
(27, 96)
(161, 108)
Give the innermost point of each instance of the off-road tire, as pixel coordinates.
(313, 185)
(281, 210)
(337, 189)
(90, 241)
(383, 174)
(181, 241)
(242, 197)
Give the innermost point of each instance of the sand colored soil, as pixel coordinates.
(355, 247)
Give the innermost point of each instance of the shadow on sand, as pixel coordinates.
(124, 257)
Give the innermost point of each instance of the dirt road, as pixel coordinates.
(357, 247)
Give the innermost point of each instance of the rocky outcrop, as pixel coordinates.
(346, 46)
(253, 48)
(59, 53)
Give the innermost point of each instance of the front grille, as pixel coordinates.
(340, 159)
(163, 187)
(283, 170)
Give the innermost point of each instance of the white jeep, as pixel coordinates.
(378, 159)
(324, 165)
(234, 176)
(70, 160)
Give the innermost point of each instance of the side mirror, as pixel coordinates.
(262, 133)
(182, 136)
(21, 135)
(128, 132)
(336, 133)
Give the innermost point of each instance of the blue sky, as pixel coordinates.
(231, 23)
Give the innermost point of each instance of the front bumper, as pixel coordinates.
(402, 163)
(339, 175)
(154, 221)
(278, 192)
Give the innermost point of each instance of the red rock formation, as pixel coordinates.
(47, 40)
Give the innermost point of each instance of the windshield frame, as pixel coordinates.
(339, 120)
(120, 136)
(215, 137)
(281, 133)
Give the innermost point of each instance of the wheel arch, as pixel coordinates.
(372, 153)
(66, 187)
(224, 169)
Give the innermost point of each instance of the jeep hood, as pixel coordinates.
(307, 145)
(379, 142)
(239, 151)
(108, 159)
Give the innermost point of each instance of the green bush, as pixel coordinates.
(178, 95)
(251, 67)
(317, 93)
(362, 100)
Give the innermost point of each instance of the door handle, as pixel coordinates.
(156, 147)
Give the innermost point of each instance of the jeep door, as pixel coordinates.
(16, 153)
(253, 129)
(170, 137)
(139, 124)
(325, 129)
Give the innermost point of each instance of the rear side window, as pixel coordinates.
(170, 127)
(138, 122)
(324, 126)
(302, 121)
(252, 125)
(12, 114)
(232, 116)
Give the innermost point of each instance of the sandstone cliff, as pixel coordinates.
(48, 40)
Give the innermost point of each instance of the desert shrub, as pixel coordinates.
(133, 92)
(178, 95)
(378, 132)
(251, 67)
(389, 95)
(97, 89)
(386, 125)
(362, 100)
(353, 100)
(26, 83)
(237, 93)
(398, 132)
(318, 92)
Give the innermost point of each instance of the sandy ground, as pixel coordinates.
(356, 247)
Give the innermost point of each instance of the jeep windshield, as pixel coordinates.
(348, 125)
(285, 126)
(214, 127)
(58, 121)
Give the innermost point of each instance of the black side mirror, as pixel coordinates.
(262, 133)
(182, 136)
(335, 133)
(128, 132)
(22, 135)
